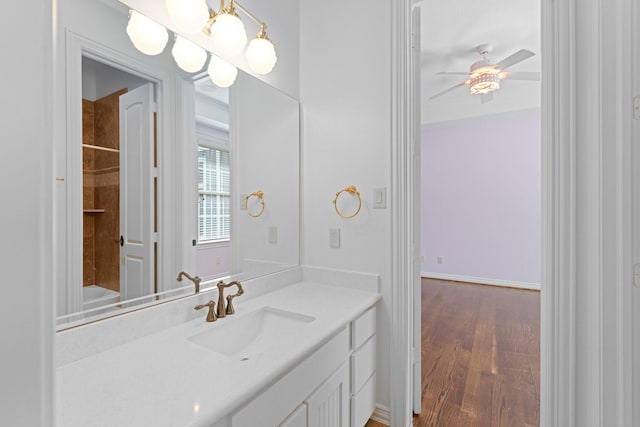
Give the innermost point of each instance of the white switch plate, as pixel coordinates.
(243, 203)
(380, 198)
(334, 238)
(273, 234)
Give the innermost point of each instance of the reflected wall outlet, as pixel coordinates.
(334, 237)
(273, 234)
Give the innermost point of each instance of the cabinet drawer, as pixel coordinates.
(364, 403)
(280, 399)
(363, 364)
(362, 328)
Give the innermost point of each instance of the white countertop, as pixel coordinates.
(165, 380)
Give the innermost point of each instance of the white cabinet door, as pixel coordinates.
(298, 418)
(328, 406)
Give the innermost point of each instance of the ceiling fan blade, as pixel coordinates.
(519, 56)
(457, 73)
(448, 90)
(486, 97)
(522, 75)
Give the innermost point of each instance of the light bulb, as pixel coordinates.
(147, 36)
(188, 55)
(261, 55)
(228, 34)
(188, 15)
(221, 72)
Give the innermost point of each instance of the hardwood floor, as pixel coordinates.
(480, 356)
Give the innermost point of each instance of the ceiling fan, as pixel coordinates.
(485, 76)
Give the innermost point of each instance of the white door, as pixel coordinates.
(136, 192)
(416, 257)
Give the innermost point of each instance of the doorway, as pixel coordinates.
(481, 163)
(119, 246)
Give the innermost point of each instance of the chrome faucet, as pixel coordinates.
(211, 315)
(196, 280)
(222, 311)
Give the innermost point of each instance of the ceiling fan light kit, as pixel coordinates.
(484, 80)
(485, 76)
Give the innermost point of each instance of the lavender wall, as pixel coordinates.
(213, 261)
(481, 199)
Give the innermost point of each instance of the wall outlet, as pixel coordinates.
(218, 260)
(439, 260)
(422, 258)
(334, 238)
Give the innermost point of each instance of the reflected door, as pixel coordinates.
(137, 238)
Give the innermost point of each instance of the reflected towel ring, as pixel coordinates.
(260, 195)
(351, 190)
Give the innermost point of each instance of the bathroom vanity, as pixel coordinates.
(300, 355)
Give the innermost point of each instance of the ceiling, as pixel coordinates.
(451, 31)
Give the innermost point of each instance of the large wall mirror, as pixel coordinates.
(162, 172)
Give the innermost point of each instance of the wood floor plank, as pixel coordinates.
(480, 356)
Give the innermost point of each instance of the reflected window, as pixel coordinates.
(214, 216)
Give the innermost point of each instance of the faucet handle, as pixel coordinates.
(230, 309)
(211, 315)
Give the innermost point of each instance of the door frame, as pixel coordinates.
(69, 265)
(558, 285)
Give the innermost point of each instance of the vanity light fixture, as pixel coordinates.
(188, 55)
(221, 72)
(147, 36)
(225, 28)
(228, 34)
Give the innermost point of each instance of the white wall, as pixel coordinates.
(345, 91)
(26, 183)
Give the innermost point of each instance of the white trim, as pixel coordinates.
(483, 281)
(557, 308)
(401, 207)
(627, 158)
(382, 415)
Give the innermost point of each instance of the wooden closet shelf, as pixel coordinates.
(97, 147)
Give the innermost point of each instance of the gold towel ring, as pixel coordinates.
(351, 190)
(259, 194)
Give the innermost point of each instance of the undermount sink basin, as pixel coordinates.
(251, 333)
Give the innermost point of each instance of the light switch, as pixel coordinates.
(273, 234)
(243, 202)
(334, 237)
(380, 198)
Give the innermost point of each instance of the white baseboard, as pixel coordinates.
(483, 281)
(382, 415)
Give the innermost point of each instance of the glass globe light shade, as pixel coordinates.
(188, 55)
(221, 72)
(188, 15)
(147, 36)
(228, 34)
(261, 55)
